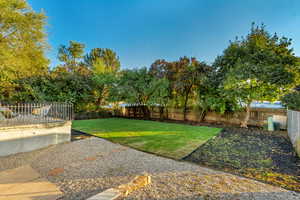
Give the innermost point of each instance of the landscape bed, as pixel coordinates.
(165, 139)
(258, 154)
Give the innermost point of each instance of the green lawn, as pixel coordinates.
(166, 139)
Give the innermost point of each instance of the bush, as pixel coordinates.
(93, 115)
(292, 100)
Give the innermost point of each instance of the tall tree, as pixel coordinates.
(71, 55)
(102, 87)
(190, 76)
(212, 96)
(22, 44)
(102, 60)
(185, 77)
(258, 67)
(138, 86)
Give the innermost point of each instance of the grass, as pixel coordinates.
(166, 139)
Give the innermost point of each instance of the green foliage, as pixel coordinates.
(138, 86)
(76, 80)
(292, 100)
(190, 76)
(22, 45)
(56, 87)
(185, 77)
(102, 61)
(102, 88)
(258, 67)
(71, 55)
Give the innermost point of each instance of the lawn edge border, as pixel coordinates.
(221, 130)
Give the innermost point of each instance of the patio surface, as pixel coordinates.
(26, 184)
(86, 167)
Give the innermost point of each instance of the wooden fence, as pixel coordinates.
(258, 116)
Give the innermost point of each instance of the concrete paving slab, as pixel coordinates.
(109, 194)
(26, 184)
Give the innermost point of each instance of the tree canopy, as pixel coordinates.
(258, 67)
(185, 76)
(138, 86)
(102, 60)
(22, 44)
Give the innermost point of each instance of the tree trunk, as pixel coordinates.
(167, 113)
(161, 112)
(185, 106)
(134, 111)
(202, 115)
(148, 112)
(244, 123)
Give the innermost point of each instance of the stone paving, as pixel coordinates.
(24, 183)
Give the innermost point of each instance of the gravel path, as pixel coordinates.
(86, 167)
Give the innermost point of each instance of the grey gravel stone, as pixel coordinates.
(93, 165)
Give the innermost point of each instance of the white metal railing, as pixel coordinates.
(34, 113)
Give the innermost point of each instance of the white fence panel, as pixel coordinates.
(294, 129)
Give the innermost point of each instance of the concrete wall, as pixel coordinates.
(294, 129)
(18, 139)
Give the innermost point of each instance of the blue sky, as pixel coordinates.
(141, 31)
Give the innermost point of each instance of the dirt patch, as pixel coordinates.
(56, 171)
(254, 153)
(92, 158)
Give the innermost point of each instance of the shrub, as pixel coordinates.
(292, 100)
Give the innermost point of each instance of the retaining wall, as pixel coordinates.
(16, 139)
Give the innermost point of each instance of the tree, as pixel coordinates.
(102, 87)
(104, 64)
(190, 76)
(71, 55)
(95, 71)
(22, 44)
(59, 86)
(102, 60)
(138, 86)
(212, 97)
(258, 67)
(292, 100)
(185, 77)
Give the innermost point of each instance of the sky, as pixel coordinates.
(141, 31)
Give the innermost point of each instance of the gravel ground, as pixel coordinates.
(86, 167)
